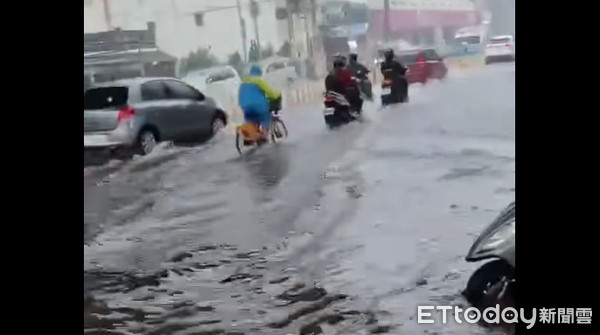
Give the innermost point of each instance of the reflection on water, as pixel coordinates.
(268, 167)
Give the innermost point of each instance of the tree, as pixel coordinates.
(285, 50)
(235, 60)
(199, 59)
(267, 52)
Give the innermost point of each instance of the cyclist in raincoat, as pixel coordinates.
(257, 99)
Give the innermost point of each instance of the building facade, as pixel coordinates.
(422, 21)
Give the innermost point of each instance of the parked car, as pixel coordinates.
(279, 72)
(221, 83)
(500, 48)
(422, 64)
(223, 77)
(136, 114)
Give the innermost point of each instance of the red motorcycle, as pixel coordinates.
(337, 110)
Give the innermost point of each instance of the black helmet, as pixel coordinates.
(388, 54)
(339, 61)
(353, 57)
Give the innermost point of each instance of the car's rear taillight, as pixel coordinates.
(125, 113)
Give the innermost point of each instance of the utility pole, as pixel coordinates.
(243, 31)
(255, 12)
(107, 14)
(313, 14)
(306, 16)
(292, 9)
(290, 22)
(386, 20)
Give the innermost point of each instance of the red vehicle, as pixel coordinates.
(422, 64)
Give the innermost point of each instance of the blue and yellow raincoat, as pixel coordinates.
(254, 96)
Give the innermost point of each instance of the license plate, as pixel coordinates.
(329, 111)
(386, 90)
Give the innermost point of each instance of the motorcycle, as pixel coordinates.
(338, 110)
(391, 94)
(494, 282)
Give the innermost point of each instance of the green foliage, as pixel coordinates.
(285, 50)
(199, 59)
(236, 61)
(267, 52)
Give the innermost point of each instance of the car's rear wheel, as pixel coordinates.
(218, 123)
(147, 141)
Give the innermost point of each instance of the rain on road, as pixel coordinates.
(333, 232)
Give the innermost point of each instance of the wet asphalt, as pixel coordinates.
(327, 232)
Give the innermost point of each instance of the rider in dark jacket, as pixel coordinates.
(357, 69)
(360, 72)
(390, 64)
(394, 70)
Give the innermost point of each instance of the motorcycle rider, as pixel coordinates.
(340, 80)
(360, 72)
(357, 69)
(394, 70)
(256, 99)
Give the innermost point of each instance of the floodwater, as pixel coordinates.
(327, 232)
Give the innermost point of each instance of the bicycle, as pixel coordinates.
(249, 134)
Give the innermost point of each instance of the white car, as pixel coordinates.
(279, 72)
(500, 48)
(220, 83)
(220, 75)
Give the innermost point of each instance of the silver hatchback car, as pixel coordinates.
(133, 115)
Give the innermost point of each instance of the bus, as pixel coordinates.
(469, 40)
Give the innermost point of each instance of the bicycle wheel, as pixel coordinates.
(239, 142)
(278, 130)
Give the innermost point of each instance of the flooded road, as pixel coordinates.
(333, 232)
